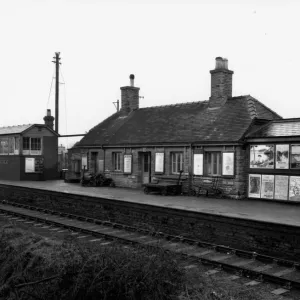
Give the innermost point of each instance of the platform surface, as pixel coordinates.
(266, 211)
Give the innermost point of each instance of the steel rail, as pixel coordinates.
(160, 236)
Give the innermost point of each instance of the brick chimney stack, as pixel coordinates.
(221, 83)
(129, 96)
(49, 119)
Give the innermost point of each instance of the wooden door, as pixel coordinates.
(146, 167)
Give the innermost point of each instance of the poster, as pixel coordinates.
(281, 187)
(127, 163)
(295, 156)
(262, 156)
(254, 185)
(198, 164)
(159, 162)
(29, 165)
(228, 163)
(282, 156)
(267, 186)
(294, 189)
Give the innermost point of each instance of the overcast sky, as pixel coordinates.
(170, 46)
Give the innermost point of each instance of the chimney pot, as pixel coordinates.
(225, 60)
(219, 63)
(131, 77)
(48, 112)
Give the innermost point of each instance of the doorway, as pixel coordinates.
(146, 167)
(93, 164)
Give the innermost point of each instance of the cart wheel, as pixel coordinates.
(146, 190)
(164, 192)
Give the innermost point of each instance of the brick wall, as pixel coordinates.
(271, 239)
(129, 98)
(221, 87)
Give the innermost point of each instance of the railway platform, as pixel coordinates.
(257, 210)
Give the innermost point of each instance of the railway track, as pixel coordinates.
(258, 267)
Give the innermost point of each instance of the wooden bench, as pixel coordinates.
(207, 186)
(164, 186)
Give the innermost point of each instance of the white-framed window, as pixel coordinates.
(177, 162)
(116, 160)
(9, 145)
(213, 163)
(32, 145)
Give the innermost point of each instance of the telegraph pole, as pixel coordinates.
(57, 63)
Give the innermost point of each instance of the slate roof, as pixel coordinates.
(179, 123)
(14, 129)
(278, 128)
(17, 129)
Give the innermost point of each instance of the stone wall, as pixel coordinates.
(232, 186)
(271, 239)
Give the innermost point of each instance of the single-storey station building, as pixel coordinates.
(29, 152)
(204, 139)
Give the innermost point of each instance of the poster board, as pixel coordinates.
(267, 186)
(39, 165)
(282, 156)
(159, 162)
(228, 163)
(294, 188)
(295, 156)
(262, 156)
(127, 163)
(281, 187)
(29, 164)
(254, 185)
(198, 164)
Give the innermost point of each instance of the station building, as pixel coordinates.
(29, 152)
(203, 139)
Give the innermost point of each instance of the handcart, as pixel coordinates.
(164, 187)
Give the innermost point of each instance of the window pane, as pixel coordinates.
(177, 162)
(213, 163)
(17, 145)
(181, 163)
(119, 161)
(35, 144)
(11, 145)
(116, 161)
(3, 146)
(26, 143)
